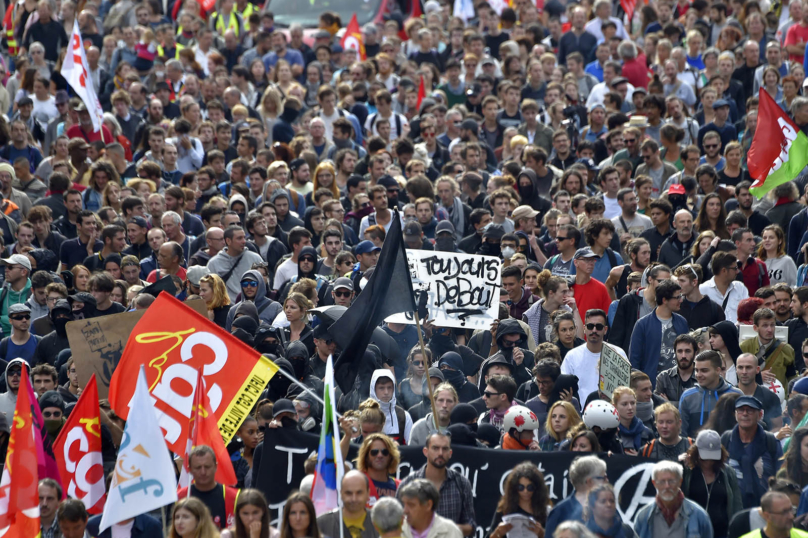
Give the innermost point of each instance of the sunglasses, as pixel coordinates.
(629, 140)
(595, 326)
(487, 394)
(417, 363)
(710, 146)
(342, 293)
(375, 452)
(307, 260)
(363, 205)
(561, 239)
(249, 284)
(54, 414)
(530, 487)
(20, 317)
(13, 373)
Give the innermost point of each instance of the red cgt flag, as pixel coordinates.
(421, 93)
(205, 432)
(172, 342)
(19, 493)
(353, 38)
(78, 451)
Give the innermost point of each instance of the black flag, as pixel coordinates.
(388, 292)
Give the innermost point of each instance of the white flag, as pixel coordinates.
(76, 71)
(143, 479)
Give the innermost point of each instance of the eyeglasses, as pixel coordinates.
(601, 478)
(375, 452)
(530, 487)
(595, 326)
(249, 284)
(710, 146)
(792, 511)
(307, 260)
(54, 414)
(342, 293)
(487, 394)
(20, 317)
(676, 298)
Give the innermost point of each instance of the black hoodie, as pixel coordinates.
(530, 194)
(54, 342)
(512, 326)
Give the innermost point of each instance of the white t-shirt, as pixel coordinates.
(44, 111)
(285, 271)
(736, 292)
(612, 207)
(583, 363)
(122, 530)
(636, 226)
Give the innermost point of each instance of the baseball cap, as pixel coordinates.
(140, 221)
(469, 124)
(444, 226)
(598, 106)
(80, 107)
(677, 188)
(62, 97)
(718, 103)
(589, 163)
(585, 252)
(366, 247)
(748, 401)
(19, 308)
(343, 283)
(296, 163)
(412, 229)
(77, 143)
(283, 406)
(336, 48)
(322, 34)
(523, 212)
(709, 445)
(488, 61)
(475, 89)
(17, 259)
(25, 101)
(195, 274)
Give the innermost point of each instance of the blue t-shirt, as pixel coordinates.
(11, 154)
(25, 351)
(603, 266)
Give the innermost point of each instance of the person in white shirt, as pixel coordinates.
(611, 70)
(610, 184)
(723, 289)
(582, 361)
(384, 109)
(603, 9)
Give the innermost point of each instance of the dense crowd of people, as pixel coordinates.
(258, 165)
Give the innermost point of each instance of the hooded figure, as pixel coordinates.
(423, 409)
(497, 359)
(269, 340)
(297, 394)
(54, 342)
(53, 425)
(8, 400)
(297, 355)
(279, 384)
(361, 389)
(511, 326)
(530, 193)
(398, 423)
(282, 130)
(89, 305)
(729, 333)
(266, 309)
(46, 259)
(451, 365)
(244, 328)
(289, 221)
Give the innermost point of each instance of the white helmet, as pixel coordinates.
(601, 414)
(777, 388)
(520, 419)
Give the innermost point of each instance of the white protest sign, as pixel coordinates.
(463, 289)
(615, 371)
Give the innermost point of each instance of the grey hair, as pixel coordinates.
(627, 50)
(797, 104)
(667, 466)
(173, 216)
(370, 29)
(584, 468)
(36, 45)
(599, 3)
(387, 515)
(421, 489)
(575, 527)
(295, 26)
(108, 116)
(173, 63)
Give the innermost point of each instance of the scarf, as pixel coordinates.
(497, 417)
(645, 410)
(457, 217)
(509, 443)
(614, 531)
(670, 513)
(118, 81)
(751, 490)
(635, 430)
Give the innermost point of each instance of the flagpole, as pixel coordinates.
(301, 385)
(428, 379)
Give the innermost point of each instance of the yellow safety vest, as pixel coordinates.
(232, 23)
(178, 47)
(245, 15)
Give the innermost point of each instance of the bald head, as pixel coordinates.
(683, 222)
(354, 492)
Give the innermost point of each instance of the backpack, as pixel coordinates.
(398, 123)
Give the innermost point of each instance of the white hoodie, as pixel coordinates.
(391, 426)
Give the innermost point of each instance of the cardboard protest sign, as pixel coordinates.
(615, 371)
(98, 343)
(463, 289)
(172, 342)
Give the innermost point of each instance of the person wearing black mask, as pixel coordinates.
(83, 305)
(528, 186)
(512, 343)
(445, 237)
(244, 328)
(268, 340)
(54, 342)
(492, 236)
(53, 407)
(465, 414)
(298, 356)
(279, 383)
(451, 365)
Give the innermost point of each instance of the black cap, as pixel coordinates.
(748, 401)
(469, 125)
(52, 399)
(283, 406)
(296, 163)
(475, 89)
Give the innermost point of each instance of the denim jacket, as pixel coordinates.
(698, 522)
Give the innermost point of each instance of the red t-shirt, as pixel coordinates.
(796, 34)
(76, 132)
(152, 278)
(636, 72)
(591, 295)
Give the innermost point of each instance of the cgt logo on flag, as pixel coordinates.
(353, 38)
(76, 70)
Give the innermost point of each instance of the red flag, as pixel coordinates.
(421, 93)
(19, 493)
(203, 431)
(172, 341)
(628, 6)
(353, 38)
(78, 451)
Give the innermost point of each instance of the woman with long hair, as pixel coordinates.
(324, 177)
(724, 340)
(582, 440)
(796, 459)
(270, 109)
(252, 515)
(59, 154)
(565, 332)
(111, 197)
(101, 174)
(190, 518)
(81, 276)
(296, 307)
(411, 387)
(525, 493)
(722, 417)
(702, 243)
(670, 138)
(601, 516)
(561, 417)
(631, 430)
(772, 250)
(644, 186)
(314, 222)
(299, 518)
(771, 83)
(710, 483)
(283, 78)
(213, 291)
(712, 216)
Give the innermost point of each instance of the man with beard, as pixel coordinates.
(782, 308)
(253, 290)
(332, 244)
(639, 253)
(393, 191)
(755, 220)
(667, 479)
(445, 401)
(580, 360)
(699, 310)
(456, 500)
(85, 129)
(8, 400)
(381, 214)
(676, 248)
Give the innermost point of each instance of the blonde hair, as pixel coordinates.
(371, 412)
(573, 419)
(271, 95)
(364, 452)
(204, 526)
(220, 296)
(518, 139)
(300, 300)
(619, 392)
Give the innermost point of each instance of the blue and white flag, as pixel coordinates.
(329, 470)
